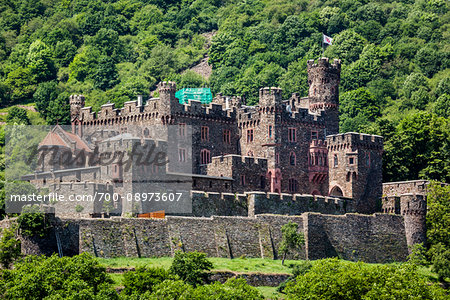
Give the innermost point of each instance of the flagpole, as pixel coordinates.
(323, 49)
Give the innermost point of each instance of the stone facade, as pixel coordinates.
(372, 238)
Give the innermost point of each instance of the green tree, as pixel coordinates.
(46, 92)
(438, 228)
(21, 85)
(58, 111)
(106, 75)
(335, 279)
(357, 108)
(78, 277)
(9, 247)
(347, 46)
(33, 222)
(144, 279)
(40, 61)
(191, 267)
(292, 240)
(17, 115)
(145, 17)
(442, 106)
(418, 149)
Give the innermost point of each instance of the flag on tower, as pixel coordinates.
(327, 39)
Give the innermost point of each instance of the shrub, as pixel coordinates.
(335, 279)
(39, 277)
(9, 247)
(143, 280)
(33, 222)
(191, 267)
(233, 289)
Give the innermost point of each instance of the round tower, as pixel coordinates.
(167, 91)
(323, 80)
(76, 103)
(413, 208)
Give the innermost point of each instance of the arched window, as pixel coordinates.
(292, 159)
(293, 185)
(205, 157)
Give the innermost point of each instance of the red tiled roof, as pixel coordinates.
(53, 139)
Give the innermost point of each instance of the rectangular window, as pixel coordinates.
(182, 155)
(277, 158)
(182, 130)
(314, 135)
(292, 135)
(227, 136)
(249, 135)
(242, 180)
(270, 132)
(205, 133)
(351, 160)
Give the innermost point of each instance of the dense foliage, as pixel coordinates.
(395, 60)
(438, 229)
(78, 277)
(191, 267)
(335, 279)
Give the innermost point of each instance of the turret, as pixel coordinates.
(76, 103)
(270, 96)
(413, 207)
(323, 80)
(167, 98)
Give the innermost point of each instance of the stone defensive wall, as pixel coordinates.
(255, 203)
(135, 111)
(370, 238)
(404, 187)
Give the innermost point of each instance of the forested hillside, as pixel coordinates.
(395, 56)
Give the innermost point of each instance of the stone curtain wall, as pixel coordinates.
(287, 204)
(371, 238)
(256, 203)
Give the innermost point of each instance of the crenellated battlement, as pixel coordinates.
(79, 99)
(270, 96)
(353, 139)
(167, 86)
(325, 64)
(413, 204)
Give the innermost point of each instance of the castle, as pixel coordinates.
(248, 169)
(278, 146)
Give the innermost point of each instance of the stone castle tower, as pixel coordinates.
(355, 168)
(413, 208)
(76, 103)
(323, 80)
